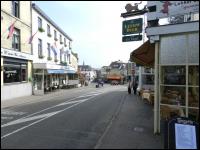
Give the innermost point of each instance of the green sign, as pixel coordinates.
(132, 26)
(132, 38)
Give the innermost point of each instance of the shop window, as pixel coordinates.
(15, 8)
(168, 112)
(193, 114)
(15, 72)
(23, 72)
(173, 49)
(148, 79)
(193, 75)
(173, 75)
(16, 40)
(173, 95)
(147, 70)
(193, 97)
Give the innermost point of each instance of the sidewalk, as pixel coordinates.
(133, 127)
(36, 98)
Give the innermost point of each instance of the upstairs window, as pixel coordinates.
(48, 30)
(39, 47)
(16, 40)
(15, 8)
(55, 35)
(39, 22)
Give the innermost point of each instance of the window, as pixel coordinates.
(16, 40)
(48, 30)
(173, 75)
(55, 35)
(15, 8)
(65, 57)
(39, 47)
(148, 79)
(39, 22)
(60, 38)
(60, 55)
(49, 50)
(14, 72)
(65, 41)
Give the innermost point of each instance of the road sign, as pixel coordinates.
(132, 26)
(132, 38)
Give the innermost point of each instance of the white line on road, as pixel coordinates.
(71, 102)
(29, 119)
(43, 119)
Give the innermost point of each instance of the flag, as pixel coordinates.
(54, 50)
(11, 30)
(31, 38)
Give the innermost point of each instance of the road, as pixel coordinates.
(75, 119)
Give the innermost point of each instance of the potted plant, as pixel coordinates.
(41, 56)
(49, 35)
(41, 29)
(56, 39)
(56, 60)
(65, 45)
(61, 42)
(49, 58)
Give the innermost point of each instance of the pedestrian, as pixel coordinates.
(129, 88)
(135, 85)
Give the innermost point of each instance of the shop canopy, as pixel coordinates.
(144, 55)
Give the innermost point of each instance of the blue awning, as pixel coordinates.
(56, 71)
(70, 71)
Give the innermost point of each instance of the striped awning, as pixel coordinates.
(144, 55)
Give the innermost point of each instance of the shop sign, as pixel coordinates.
(182, 133)
(132, 38)
(172, 8)
(132, 26)
(15, 54)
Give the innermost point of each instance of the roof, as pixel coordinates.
(36, 8)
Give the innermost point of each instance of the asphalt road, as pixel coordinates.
(75, 119)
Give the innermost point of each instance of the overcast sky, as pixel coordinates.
(95, 28)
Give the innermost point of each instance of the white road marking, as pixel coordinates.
(42, 119)
(29, 119)
(6, 118)
(89, 95)
(71, 102)
(11, 112)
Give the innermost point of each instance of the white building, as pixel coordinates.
(52, 53)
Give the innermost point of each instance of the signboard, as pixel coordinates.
(181, 133)
(15, 54)
(132, 38)
(132, 26)
(171, 8)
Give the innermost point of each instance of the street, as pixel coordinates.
(87, 117)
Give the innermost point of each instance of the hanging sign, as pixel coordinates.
(132, 26)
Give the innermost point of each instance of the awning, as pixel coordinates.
(70, 71)
(144, 55)
(55, 71)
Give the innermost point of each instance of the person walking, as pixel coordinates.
(129, 88)
(135, 85)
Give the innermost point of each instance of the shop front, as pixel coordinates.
(176, 71)
(16, 74)
(49, 77)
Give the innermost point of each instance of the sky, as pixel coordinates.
(95, 28)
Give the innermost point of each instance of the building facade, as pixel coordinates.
(176, 61)
(16, 52)
(53, 58)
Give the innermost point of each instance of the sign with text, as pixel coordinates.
(132, 38)
(171, 8)
(182, 133)
(132, 26)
